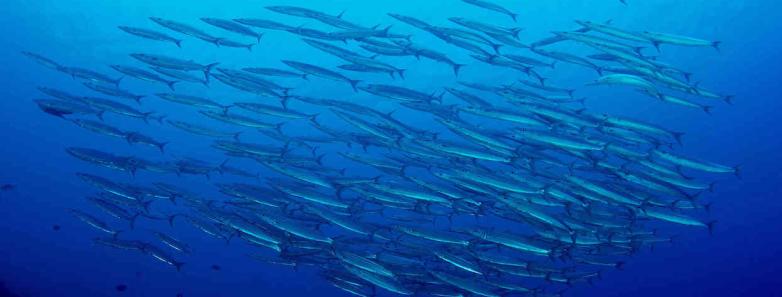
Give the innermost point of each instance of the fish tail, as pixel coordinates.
(171, 219)
(133, 221)
(710, 225)
(236, 135)
(171, 84)
(515, 32)
(456, 68)
(729, 99)
(737, 171)
(138, 99)
(678, 136)
(707, 109)
(178, 266)
(716, 45)
(208, 69)
(354, 83)
(162, 147)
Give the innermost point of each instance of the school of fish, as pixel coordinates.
(517, 190)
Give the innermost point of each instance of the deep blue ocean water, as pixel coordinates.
(741, 258)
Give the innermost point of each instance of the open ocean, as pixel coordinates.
(47, 251)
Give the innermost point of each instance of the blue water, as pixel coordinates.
(741, 258)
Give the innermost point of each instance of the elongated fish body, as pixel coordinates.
(241, 120)
(321, 72)
(363, 263)
(192, 101)
(302, 175)
(665, 38)
(265, 24)
(459, 262)
(273, 110)
(173, 63)
(673, 217)
(46, 62)
(150, 34)
(183, 28)
(613, 31)
(160, 255)
(388, 283)
(60, 108)
(100, 128)
(135, 137)
(486, 28)
(313, 196)
(90, 75)
(173, 243)
(629, 80)
(93, 221)
(115, 107)
(233, 27)
(466, 284)
(143, 75)
(492, 6)
(114, 91)
(696, 164)
(181, 75)
(202, 130)
(59, 94)
(274, 72)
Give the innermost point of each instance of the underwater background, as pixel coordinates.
(740, 258)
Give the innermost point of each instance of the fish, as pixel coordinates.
(46, 62)
(143, 75)
(321, 72)
(193, 101)
(174, 63)
(232, 27)
(114, 91)
(492, 6)
(61, 108)
(151, 34)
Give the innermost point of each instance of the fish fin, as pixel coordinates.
(178, 43)
(278, 127)
(737, 171)
(100, 115)
(707, 109)
(656, 45)
(401, 73)
(249, 47)
(729, 99)
(513, 16)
